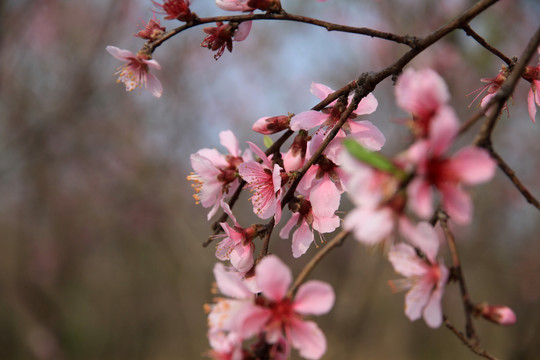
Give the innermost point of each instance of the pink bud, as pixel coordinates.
(271, 125)
(498, 314)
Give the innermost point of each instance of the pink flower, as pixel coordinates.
(152, 30)
(135, 73)
(498, 314)
(175, 9)
(492, 86)
(425, 277)
(285, 314)
(421, 93)
(220, 37)
(363, 131)
(273, 314)
(305, 216)
(265, 181)
(215, 174)
(469, 166)
(237, 245)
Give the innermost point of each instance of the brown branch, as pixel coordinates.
(266, 240)
(469, 31)
(196, 21)
(472, 346)
(468, 307)
(335, 242)
(512, 176)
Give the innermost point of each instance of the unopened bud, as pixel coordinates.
(271, 125)
(498, 314)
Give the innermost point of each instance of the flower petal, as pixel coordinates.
(314, 298)
(273, 277)
(230, 284)
(307, 120)
(308, 339)
(302, 239)
(474, 165)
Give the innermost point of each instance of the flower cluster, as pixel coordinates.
(335, 151)
(274, 317)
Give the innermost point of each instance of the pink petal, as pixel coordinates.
(370, 226)
(433, 311)
(302, 239)
(251, 320)
(420, 197)
(325, 198)
(284, 233)
(242, 257)
(314, 298)
(424, 237)
(243, 31)
(153, 64)
(273, 277)
(367, 134)
(226, 208)
(531, 106)
(308, 339)
(421, 92)
(326, 224)
(230, 284)
(233, 5)
(367, 105)
(444, 128)
(229, 141)
(405, 261)
(260, 154)
(457, 203)
(321, 91)
(474, 165)
(417, 298)
(307, 120)
(153, 85)
(215, 157)
(120, 54)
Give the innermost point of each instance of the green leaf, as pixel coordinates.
(267, 140)
(374, 159)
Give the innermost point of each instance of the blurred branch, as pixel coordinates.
(469, 31)
(335, 242)
(512, 176)
(472, 346)
(457, 271)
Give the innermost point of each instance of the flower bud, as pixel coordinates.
(271, 125)
(498, 314)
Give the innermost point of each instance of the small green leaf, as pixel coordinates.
(267, 140)
(374, 159)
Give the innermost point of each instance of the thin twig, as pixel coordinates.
(469, 31)
(335, 242)
(406, 40)
(469, 327)
(472, 346)
(512, 176)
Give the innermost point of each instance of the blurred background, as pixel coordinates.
(100, 238)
